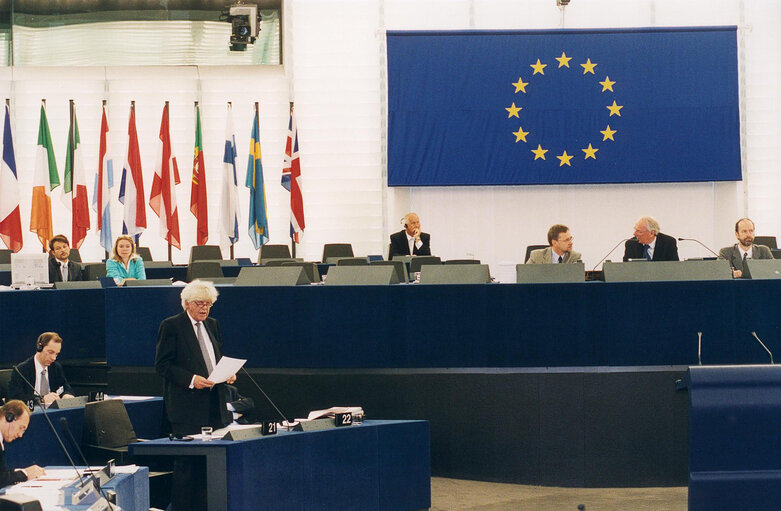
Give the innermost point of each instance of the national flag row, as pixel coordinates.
(162, 198)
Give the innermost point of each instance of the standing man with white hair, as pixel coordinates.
(650, 243)
(189, 345)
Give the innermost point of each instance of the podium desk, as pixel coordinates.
(375, 466)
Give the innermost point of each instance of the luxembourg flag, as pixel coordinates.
(104, 181)
(162, 199)
(131, 189)
(229, 204)
(10, 221)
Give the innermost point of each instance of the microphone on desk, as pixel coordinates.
(37, 396)
(699, 347)
(763, 345)
(612, 250)
(96, 483)
(284, 419)
(701, 243)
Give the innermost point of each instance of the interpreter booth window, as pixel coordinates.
(99, 33)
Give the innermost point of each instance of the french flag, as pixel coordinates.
(10, 221)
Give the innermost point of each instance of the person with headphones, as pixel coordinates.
(62, 269)
(14, 419)
(43, 371)
(410, 240)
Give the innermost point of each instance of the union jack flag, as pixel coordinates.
(291, 181)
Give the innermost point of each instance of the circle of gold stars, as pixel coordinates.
(538, 68)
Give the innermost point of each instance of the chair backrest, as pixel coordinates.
(278, 262)
(310, 269)
(455, 274)
(401, 268)
(272, 276)
(5, 378)
(462, 261)
(374, 275)
(78, 284)
(5, 255)
(205, 252)
(337, 250)
(273, 252)
(145, 253)
(107, 424)
(203, 270)
(352, 261)
(74, 255)
(768, 241)
(93, 271)
(416, 262)
(532, 247)
(544, 273)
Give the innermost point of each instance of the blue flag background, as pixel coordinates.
(563, 106)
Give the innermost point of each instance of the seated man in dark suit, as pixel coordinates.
(42, 371)
(61, 269)
(410, 240)
(14, 419)
(241, 407)
(744, 249)
(650, 243)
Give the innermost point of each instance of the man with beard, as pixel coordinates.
(744, 249)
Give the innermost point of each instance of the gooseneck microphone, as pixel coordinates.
(612, 250)
(699, 347)
(701, 243)
(763, 345)
(51, 426)
(284, 419)
(95, 482)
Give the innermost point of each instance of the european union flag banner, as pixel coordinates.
(563, 106)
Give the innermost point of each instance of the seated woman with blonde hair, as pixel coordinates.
(125, 263)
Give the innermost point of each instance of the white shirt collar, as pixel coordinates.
(748, 253)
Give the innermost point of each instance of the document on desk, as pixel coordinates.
(226, 368)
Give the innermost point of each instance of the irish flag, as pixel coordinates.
(45, 180)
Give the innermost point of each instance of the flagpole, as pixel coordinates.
(292, 239)
(43, 249)
(109, 199)
(230, 105)
(137, 236)
(168, 120)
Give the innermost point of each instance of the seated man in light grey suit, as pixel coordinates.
(560, 249)
(744, 249)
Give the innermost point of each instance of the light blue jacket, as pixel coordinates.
(135, 270)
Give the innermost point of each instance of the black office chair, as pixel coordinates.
(337, 250)
(401, 268)
(768, 241)
(273, 252)
(352, 261)
(145, 253)
(5, 255)
(462, 261)
(310, 269)
(5, 379)
(204, 270)
(74, 255)
(205, 253)
(532, 247)
(416, 262)
(93, 271)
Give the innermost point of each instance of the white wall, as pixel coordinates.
(335, 72)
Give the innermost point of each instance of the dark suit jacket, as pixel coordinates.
(178, 358)
(9, 477)
(399, 245)
(732, 254)
(666, 249)
(74, 270)
(18, 389)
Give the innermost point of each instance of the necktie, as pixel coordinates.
(64, 271)
(746, 272)
(560, 259)
(202, 343)
(44, 383)
(647, 252)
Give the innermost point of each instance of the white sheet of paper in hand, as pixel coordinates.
(226, 368)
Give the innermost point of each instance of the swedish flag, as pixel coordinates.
(258, 220)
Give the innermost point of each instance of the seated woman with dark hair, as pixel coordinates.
(125, 263)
